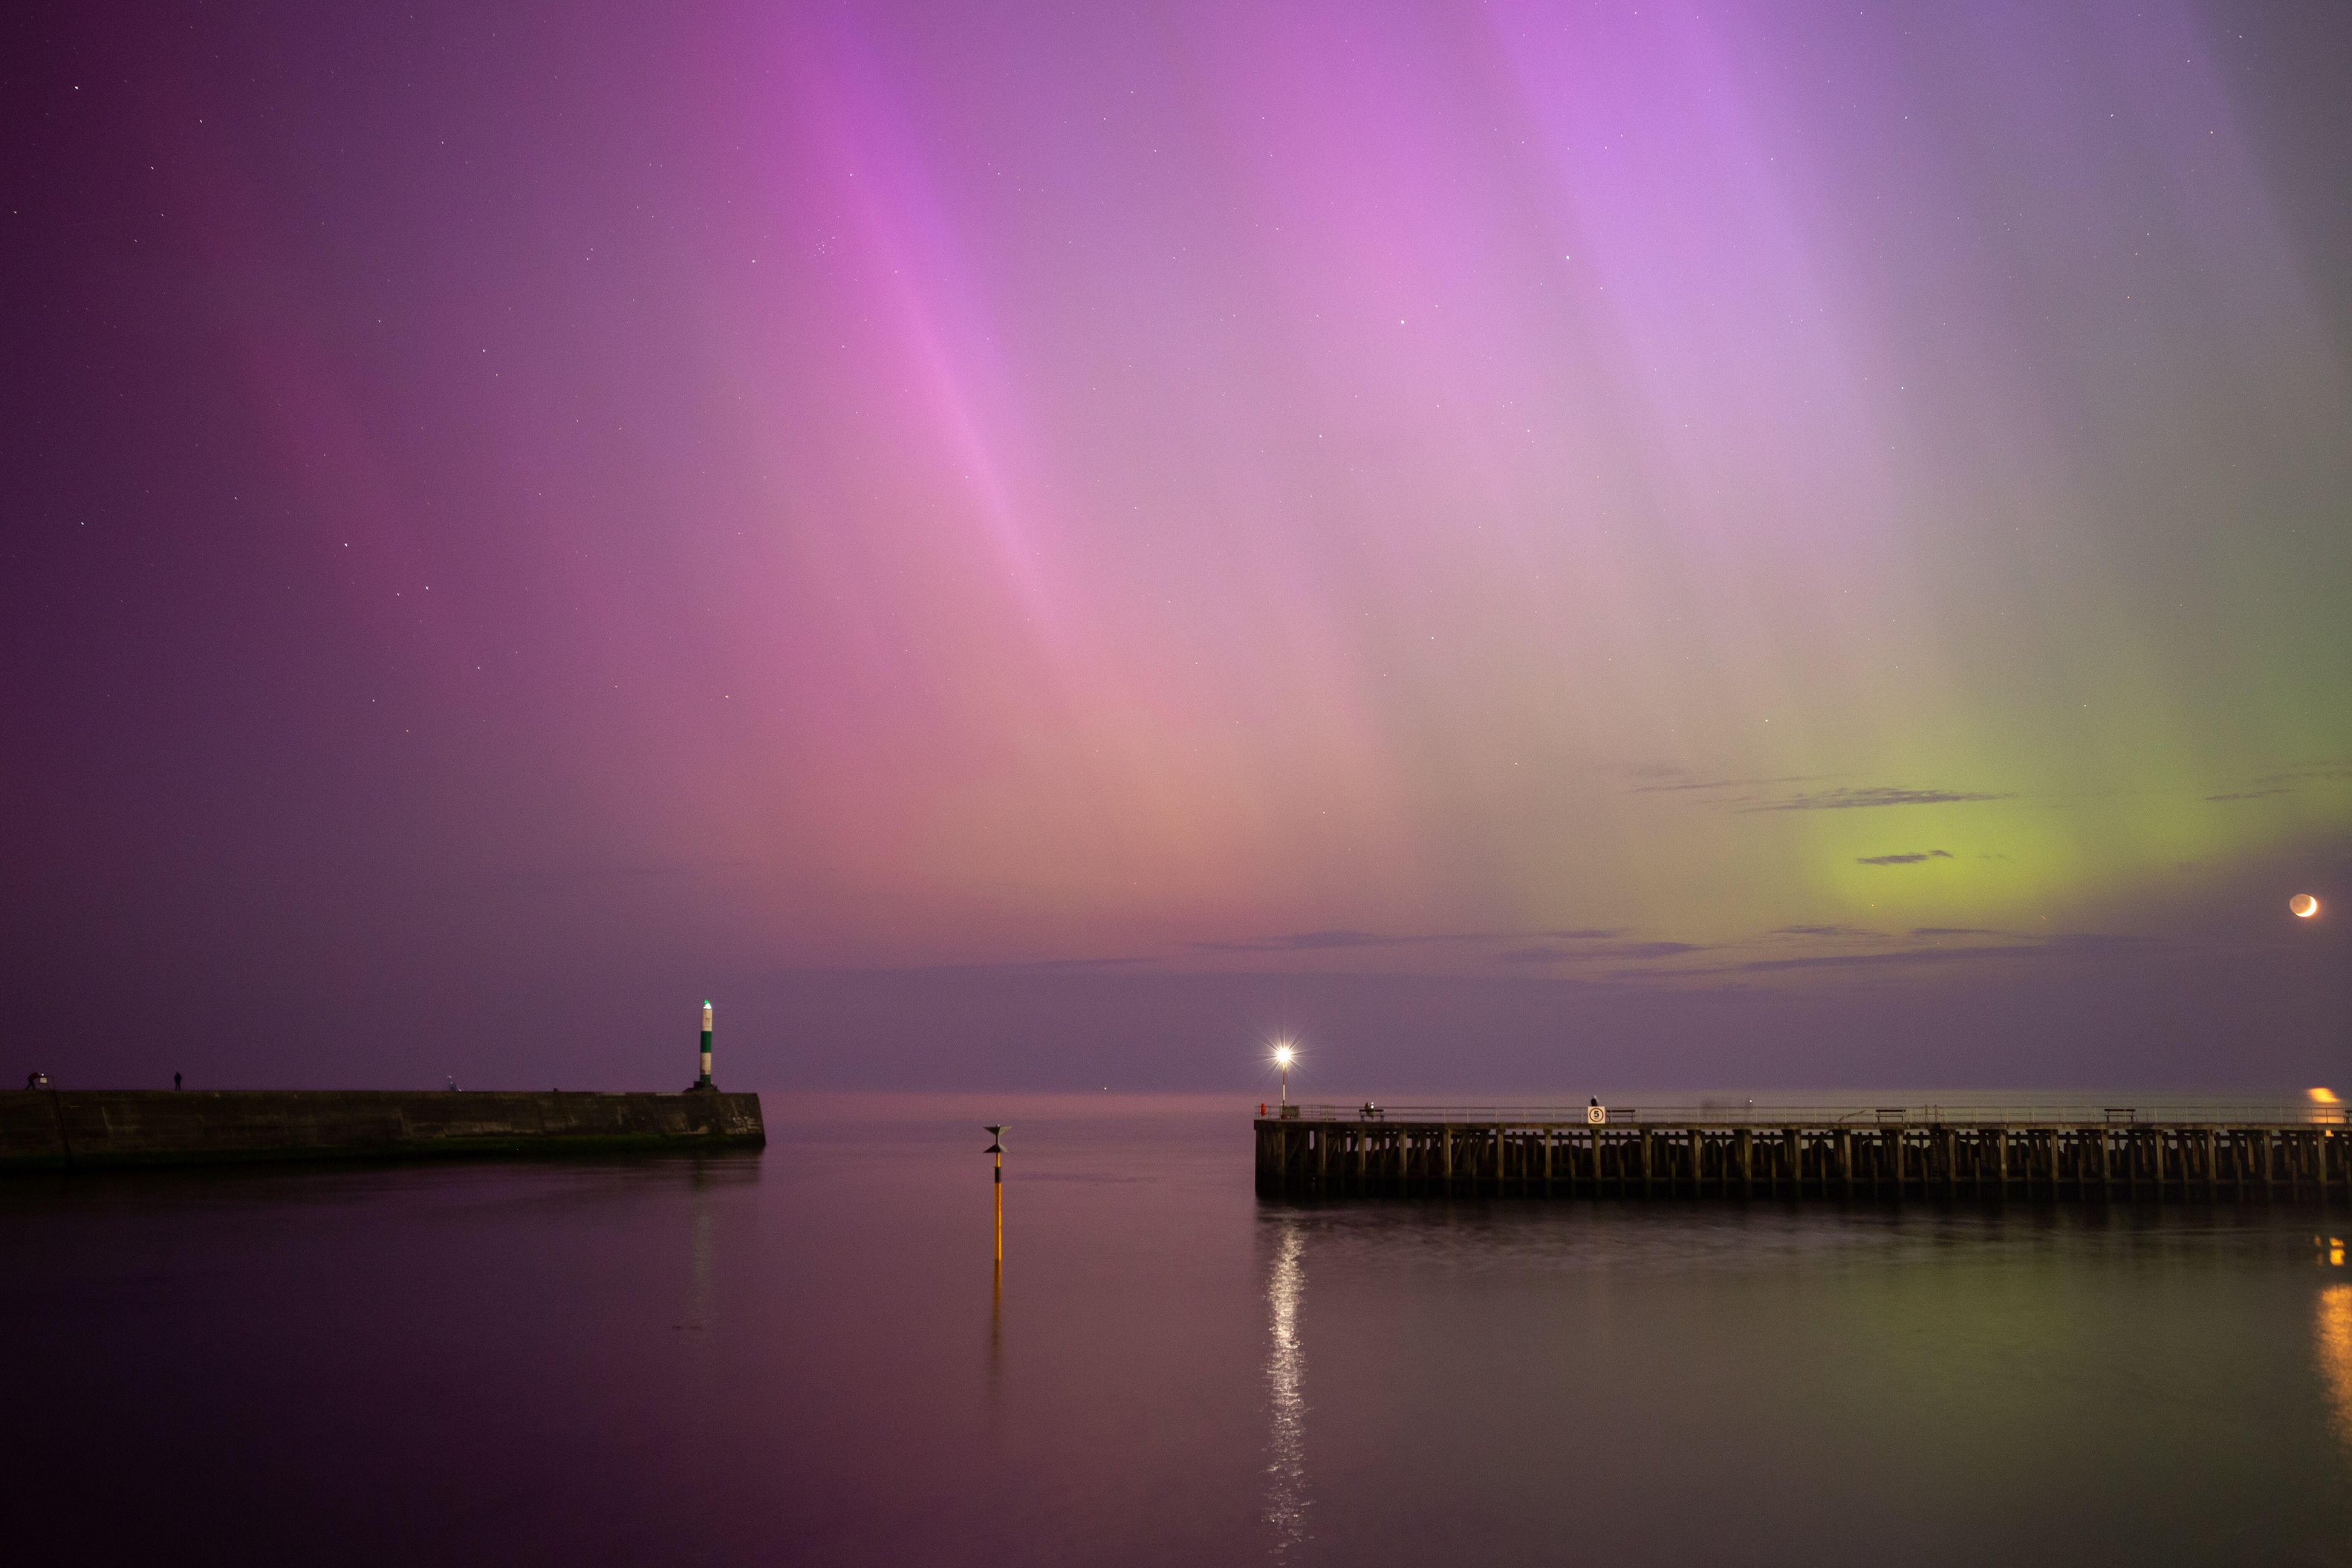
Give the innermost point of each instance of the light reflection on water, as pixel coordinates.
(1286, 1368)
(2334, 1332)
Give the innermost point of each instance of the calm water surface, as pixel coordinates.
(804, 1357)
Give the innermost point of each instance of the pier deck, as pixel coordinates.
(2224, 1154)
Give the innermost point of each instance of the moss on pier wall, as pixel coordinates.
(52, 1129)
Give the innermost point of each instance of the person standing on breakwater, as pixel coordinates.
(175, 1084)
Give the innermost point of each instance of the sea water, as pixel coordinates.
(810, 1355)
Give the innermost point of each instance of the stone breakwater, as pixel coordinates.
(77, 1128)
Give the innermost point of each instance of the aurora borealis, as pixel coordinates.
(923, 514)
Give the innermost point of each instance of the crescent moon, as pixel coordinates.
(2303, 906)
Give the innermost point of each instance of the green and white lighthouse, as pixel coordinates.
(704, 1082)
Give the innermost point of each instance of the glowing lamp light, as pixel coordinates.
(1283, 1057)
(2324, 1097)
(2303, 906)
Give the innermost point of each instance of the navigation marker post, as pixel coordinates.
(996, 1147)
(704, 1082)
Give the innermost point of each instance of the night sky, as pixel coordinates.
(1537, 546)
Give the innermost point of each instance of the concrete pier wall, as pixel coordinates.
(100, 1127)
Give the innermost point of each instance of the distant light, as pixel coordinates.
(2304, 904)
(2323, 1097)
(1284, 1056)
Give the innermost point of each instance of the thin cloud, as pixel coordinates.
(1914, 858)
(2094, 942)
(1617, 950)
(2316, 772)
(1819, 931)
(1032, 966)
(2058, 944)
(1307, 942)
(1687, 786)
(1882, 960)
(2282, 782)
(1590, 934)
(1870, 796)
(1334, 941)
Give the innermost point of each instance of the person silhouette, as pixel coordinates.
(175, 1082)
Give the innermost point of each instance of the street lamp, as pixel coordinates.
(1283, 1057)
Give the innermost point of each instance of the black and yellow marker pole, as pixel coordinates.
(997, 1274)
(996, 1147)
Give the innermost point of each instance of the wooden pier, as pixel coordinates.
(2113, 1155)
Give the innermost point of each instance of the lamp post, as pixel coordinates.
(1283, 1057)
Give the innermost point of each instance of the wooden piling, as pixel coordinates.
(1316, 1151)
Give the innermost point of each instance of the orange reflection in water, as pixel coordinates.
(2333, 1329)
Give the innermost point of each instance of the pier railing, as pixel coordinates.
(2149, 1112)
